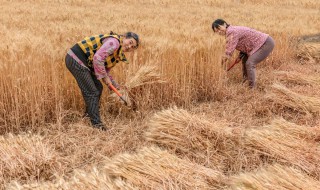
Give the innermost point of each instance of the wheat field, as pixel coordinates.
(191, 124)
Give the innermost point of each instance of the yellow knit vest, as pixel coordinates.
(90, 45)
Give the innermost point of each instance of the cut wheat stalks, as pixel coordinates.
(93, 180)
(283, 96)
(27, 157)
(189, 135)
(15, 185)
(212, 144)
(153, 168)
(309, 51)
(298, 78)
(301, 132)
(96, 179)
(274, 177)
(146, 74)
(284, 147)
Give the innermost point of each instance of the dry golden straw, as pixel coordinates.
(146, 74)
(298, 78)
(14, 185)
(189, 135)
(276, 142)
(97, 179)
(212, 144)
(298, 131)
(309, 51)
(80, 180)
(153, 168)
(149, 168)
(283, 96)
(26, 157)
(274, 177)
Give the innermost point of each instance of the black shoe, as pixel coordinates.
(100, 126)
(85, 115)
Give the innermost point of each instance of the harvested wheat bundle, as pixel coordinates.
(309, 51)
(189, 135)
(71, 140)
(93, 180)
(284, 147)
(298, 78)
(274, 177)
(27, 157)
(153, 168)
(147, 74)
(283, 96)
(96, 179)
(212, 144)
(301, 132)
(14, 185)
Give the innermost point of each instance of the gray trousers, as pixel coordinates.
(249, 63)
(91, 89)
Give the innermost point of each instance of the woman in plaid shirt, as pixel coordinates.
(90, 61)
(254, 44)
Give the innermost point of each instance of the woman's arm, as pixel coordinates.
(231, 44)
(108, 47)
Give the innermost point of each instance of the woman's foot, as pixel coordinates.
(100, 126)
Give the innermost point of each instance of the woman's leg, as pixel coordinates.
(90, 87)
(99, 88)
(244, 69)
(256, 58)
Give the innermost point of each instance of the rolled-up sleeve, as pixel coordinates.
(231, 44)
(108, 47)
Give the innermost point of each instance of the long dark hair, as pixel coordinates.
(129, 35)
(219, 22)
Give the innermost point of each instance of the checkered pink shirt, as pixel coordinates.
(244, 39)
(108, 47)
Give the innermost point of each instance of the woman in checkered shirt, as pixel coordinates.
(255, 45)
(90, 61)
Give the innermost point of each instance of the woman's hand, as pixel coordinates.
(242, 55)
(115, 84)
(107, 80)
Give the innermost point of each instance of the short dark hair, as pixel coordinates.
(219, 22)
(134, 36)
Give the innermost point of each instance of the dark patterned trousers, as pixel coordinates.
(91, 89)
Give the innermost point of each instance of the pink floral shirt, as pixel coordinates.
(109, 45)
(244, 39)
